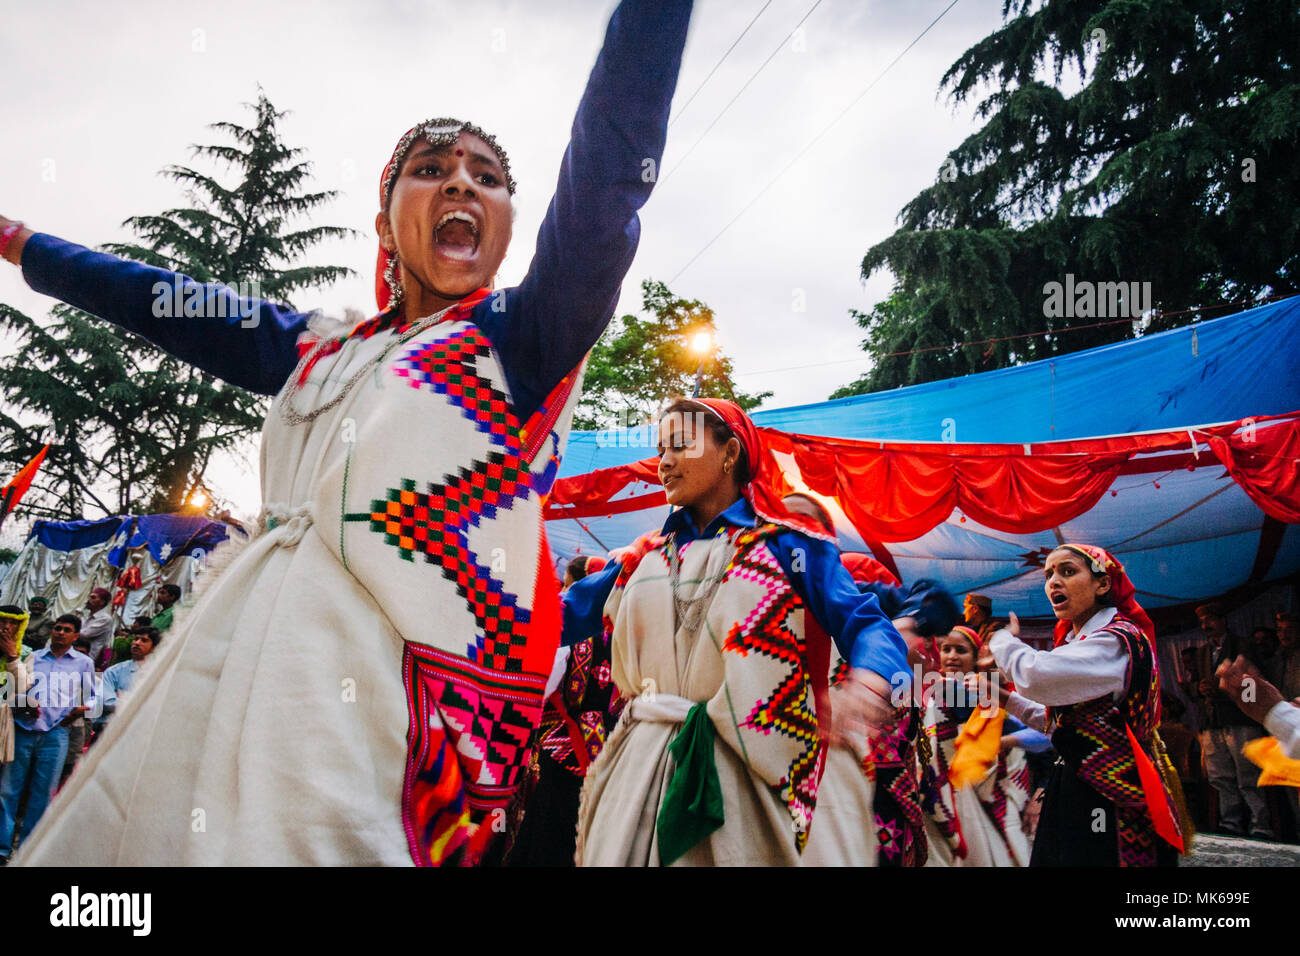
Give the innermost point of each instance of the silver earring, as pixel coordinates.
(394, 283)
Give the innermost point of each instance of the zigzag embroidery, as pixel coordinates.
(788, 712)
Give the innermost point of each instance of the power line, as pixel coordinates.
(799, 155)
(677, 116)
(779, 47)
(1157, 314)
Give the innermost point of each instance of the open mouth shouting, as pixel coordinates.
(456, 236)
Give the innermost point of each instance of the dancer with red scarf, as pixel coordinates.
(725, 629)
(1097, 691)
(359, 684)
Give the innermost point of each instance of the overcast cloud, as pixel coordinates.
(99, 97)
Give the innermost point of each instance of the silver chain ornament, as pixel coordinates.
(291, 416)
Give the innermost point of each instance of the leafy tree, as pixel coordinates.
(132, 428)
(1172, 163)
(641, 362)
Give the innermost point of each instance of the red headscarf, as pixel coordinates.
(865, 569)
(1122, 593)
(767, 484)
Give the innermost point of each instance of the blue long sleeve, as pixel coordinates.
(253, 346)
(584, 604)
(1029, 739)
(863, 633)
(589, 237)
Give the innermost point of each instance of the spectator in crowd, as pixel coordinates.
(1284, 669)
(978, 611)
(122, 642)
(1264, 641)
(98, 626)
(118, 678)
(1226, 731)
(16, 675)
(62, 682)
(1189, 682)
(168, 595)
(39, 623)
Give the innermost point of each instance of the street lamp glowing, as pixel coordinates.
(702, 343)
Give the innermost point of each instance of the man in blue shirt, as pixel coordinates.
(62, 686)
(118, 678)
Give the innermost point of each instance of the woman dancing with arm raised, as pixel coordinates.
(360, 683)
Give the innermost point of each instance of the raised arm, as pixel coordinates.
(244, 341)
(589, 236)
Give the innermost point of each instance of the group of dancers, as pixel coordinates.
(721, 692)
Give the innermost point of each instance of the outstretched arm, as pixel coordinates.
(245, 341)
(589, 236)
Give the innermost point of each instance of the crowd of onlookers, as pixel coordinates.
(63, 678)
(1207, 739)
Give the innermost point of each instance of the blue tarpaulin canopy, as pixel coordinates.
(1183, 536)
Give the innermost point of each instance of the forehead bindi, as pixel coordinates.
(467, 146)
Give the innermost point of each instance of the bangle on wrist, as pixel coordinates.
(7, 235)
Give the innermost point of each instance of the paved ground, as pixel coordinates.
(1212, 850)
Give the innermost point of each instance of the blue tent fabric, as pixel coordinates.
(72, 535)
(164, 535)
(1182, 536)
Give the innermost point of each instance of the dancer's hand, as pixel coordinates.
(14, 250)
(1240, 679)
(985, 661)
(861, 707)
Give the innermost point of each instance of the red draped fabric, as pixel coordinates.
(898, 491)
(1264, 461)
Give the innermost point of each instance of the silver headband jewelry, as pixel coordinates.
(440, 132)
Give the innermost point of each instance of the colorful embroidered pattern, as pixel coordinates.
(450, 367)
(896, 799)
(788, 711)
(467, 744)
(471, 716)
(578, 720)
(937, 799)
(435, 523)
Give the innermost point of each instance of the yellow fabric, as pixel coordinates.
(18, 639)
(1277, 769)
(22, 626)
(977, 745)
